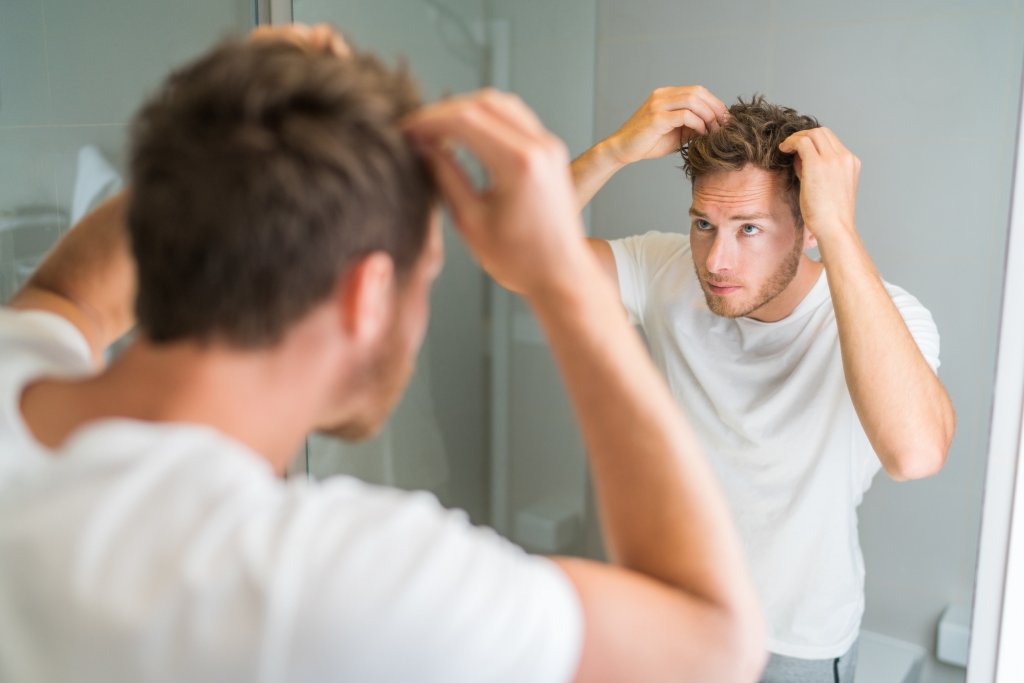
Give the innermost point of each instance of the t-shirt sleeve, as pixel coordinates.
(51, 337)
(400, 589)
(920, 323)
(637, 260)
(33, 344)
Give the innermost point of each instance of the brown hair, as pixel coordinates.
(752, 135)
(259, 173)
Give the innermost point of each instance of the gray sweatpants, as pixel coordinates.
(782, 669)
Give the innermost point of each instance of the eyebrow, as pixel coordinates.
(745, 217)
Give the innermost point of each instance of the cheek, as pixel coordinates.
(700, 246)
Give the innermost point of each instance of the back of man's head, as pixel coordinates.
(751, 136)
(259, 173)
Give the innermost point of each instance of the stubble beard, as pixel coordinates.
(771, 288)
(385, 379)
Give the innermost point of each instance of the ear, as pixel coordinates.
(810, 241)
(366, 297)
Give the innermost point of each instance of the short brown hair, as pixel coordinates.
(752, 135)
(259, 172)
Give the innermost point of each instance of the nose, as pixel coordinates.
(722, 257)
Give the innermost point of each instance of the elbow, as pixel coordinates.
(926, 456)
(923, 460)
(744, 647)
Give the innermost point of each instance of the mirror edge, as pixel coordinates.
(999, 578)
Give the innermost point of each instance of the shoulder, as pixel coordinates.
(907, 304)
(652, 249)
(45, 336)
(33, 345)
(919, 321)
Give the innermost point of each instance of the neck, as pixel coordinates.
(807, 274)
(266, 399)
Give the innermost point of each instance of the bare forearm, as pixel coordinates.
(591, 170)
(661, 508)
(89, 277)
(903, 407)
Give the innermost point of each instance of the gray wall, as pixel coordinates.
(925, 93)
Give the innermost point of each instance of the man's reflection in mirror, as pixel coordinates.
(803, 378)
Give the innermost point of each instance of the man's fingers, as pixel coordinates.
(455, 186)
(700, 100)
(833, 140)
(319, 37)
(324, 37)
(700, 109)
(803, 146)
(716, 105)
(496, 143)
(684, 118)
(512, 109)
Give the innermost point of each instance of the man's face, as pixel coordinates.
(744, 238)
(382, 379)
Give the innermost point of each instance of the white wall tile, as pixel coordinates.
(105, 56)
(24, 98)
(27, 175)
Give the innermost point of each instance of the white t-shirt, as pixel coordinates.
(170, 552)
(770, 404)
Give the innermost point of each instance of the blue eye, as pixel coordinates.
(750, 229)
(703, 225)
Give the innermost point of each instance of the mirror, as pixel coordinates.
(925, 94)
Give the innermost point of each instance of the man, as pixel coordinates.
(802, 378)
(283, 241)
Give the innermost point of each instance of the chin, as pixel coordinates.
(722, 307)
(354, 431)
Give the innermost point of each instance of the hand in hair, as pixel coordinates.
(669, 119)
(828, 181)
(665, 122)
(524, 228)
(319, 37)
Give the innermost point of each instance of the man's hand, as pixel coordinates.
(669, 119)
(524, 228)
(321, 37)
(828, 175)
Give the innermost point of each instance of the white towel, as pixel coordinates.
(95, 181)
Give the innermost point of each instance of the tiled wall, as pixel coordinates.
(925, 93)
(72, 72)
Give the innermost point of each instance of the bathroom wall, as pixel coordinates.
(925, 93)
(72, 72)
(437, 439)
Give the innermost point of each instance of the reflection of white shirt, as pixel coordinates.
(770, 404)
(146, 551)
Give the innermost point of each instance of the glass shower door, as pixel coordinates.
(437, 437)
(485, 424)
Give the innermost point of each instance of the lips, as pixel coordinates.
(722, 289)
